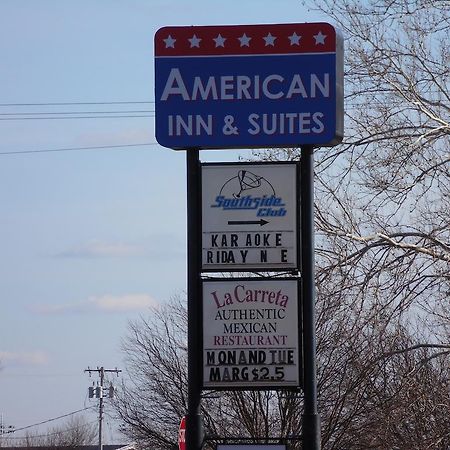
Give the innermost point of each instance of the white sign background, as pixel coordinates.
(251, 333)
(249, 217)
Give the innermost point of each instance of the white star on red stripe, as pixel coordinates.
(320, 38)
(169, 41)
(244, 40)
(195, 41)
(295, 39)
(270, 40)
(220, 41)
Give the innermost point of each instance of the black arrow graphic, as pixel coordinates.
(248, 222)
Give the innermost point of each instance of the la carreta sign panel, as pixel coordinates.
(251, 334)
(249, 86)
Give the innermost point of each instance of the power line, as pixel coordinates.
(69, 149)
(75, 103)
(74, 112)
(41, 375)
(76, 117)
(49, 420)
(66, 430)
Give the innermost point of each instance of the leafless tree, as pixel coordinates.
(385, 193)
(378, 385)
(383, 196)
(154, 399)
(75, 432)
(383, 223)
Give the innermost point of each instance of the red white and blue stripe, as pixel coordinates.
(245, 40)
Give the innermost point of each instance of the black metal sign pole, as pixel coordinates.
(193, 418)
(311, 418)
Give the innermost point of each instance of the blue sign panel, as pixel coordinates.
(248, 86)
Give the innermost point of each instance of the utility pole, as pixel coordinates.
(98, 393)
(4, 429)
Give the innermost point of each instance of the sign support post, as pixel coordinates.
(311, 418)
(193, 418)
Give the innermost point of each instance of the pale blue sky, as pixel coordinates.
(88, 238)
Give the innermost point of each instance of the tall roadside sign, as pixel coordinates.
(248, 86)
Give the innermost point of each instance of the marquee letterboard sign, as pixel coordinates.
(251, 336)
(250, 217)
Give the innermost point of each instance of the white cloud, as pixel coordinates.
(130, 302)
(100, 304)
(162, 246)
(34, 358)
(98, 249)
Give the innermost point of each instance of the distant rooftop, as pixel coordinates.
(77, 447)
